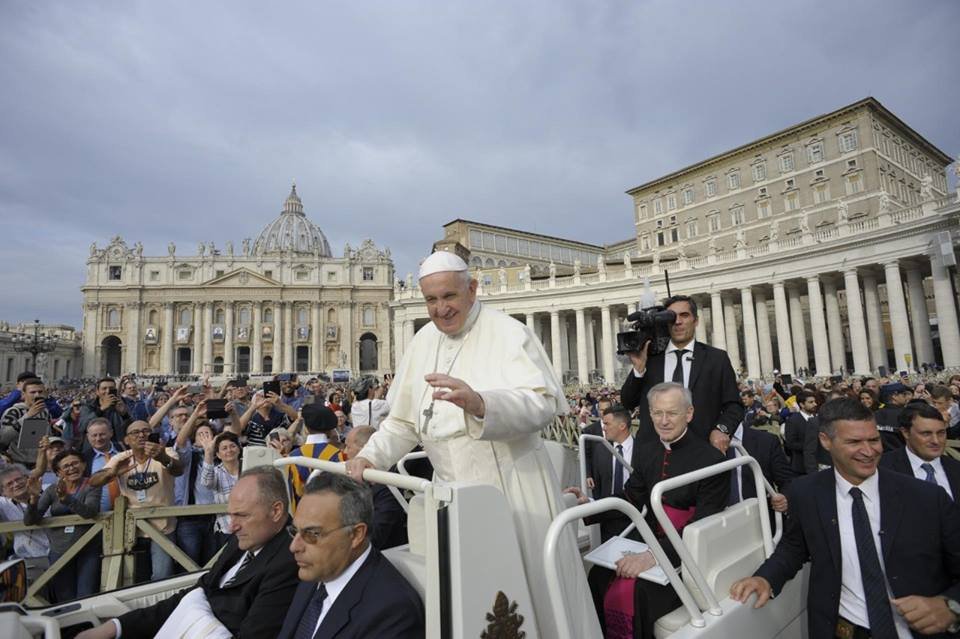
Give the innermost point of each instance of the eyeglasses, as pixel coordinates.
(313, 535)
(70, 466)
(138, 433)
(660, 414)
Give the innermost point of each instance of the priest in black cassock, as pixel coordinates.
(678, 451)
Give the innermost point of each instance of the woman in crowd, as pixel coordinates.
(70, 495)
(280, 440)
(869, 399)
(220, 478)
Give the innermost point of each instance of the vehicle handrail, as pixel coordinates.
(592, 508)
(583, 459)
(415, 484)
(771, 491)
(401, 465)
(671, 483)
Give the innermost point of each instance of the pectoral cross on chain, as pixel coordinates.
(428, 415)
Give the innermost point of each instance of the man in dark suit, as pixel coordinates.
(250, 586)
(884, 548)
(349, 590)
(610, 474)
(800, 430)
(768, 452)
(925, 434)
(703, 369)
(594, 428)
(389, 527)
(895, 397)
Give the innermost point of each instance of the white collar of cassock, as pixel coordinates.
(471, 320)
(668, 444)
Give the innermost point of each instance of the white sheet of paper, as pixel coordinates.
(615, 548)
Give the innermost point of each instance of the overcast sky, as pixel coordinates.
(186, 121)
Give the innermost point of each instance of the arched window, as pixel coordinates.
(244, 315)
(267, 364)
(268, 316)
(218, 365)
(331, 316)
(218, 316)
(369, 316)
(184, 319)
(368, 352)
(113, 318)
(152, 317)
(302, 316)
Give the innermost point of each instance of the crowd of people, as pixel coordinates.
(475, 389)
(156, 444)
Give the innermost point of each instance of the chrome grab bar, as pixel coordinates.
(777, 516)
(583, 460)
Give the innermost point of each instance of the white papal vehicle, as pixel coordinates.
(464, 560)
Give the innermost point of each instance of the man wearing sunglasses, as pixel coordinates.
(349, 589)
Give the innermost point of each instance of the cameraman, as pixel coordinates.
(705, 370)
(106, 404)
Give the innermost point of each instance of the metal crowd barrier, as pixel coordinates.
(119, 531)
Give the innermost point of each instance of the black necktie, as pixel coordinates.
(247, 556)
(928, 469)
(734, 495)
(307, 627)
(678, 371)
(871, 574)
(618, 472)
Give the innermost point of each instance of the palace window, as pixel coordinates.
(759, 172)
(786, 162)
(115, 273)
(710, 187)
(367, 273)
(815, 153)
(848, 141)
(687, 196)
(733, 180)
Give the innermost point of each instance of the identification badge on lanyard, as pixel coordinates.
(141, 496)
(68, 530)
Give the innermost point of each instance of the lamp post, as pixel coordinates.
(34, 343)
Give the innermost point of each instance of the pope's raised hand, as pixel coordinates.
(458, 392)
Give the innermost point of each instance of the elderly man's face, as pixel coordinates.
(99, 436)
(252, 521)
(333, 544)
(670, 414)
(448, 299)
(14, 485)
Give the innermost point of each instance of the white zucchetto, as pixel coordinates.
(441, 262)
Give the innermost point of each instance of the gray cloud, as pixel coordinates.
(186, 121)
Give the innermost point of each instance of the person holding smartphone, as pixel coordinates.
(106, 404)
(32, 406)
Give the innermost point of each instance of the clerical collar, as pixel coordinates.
(676, 442)
(471, 320)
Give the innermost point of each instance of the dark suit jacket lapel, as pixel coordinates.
(339, 614)
(826, 491)
(696, 366)
(952, 468)
(891, 511)
(298, 606)
(259, 562)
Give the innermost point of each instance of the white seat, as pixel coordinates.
(726, 547)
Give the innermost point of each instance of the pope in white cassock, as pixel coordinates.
(475, 387)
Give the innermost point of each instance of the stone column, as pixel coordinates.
(278, 325)
(133, 336)
(763, 331)
(838, 353)
(256, 339)
(784, 339)
(719, 337)
(591, 345)
(316, 337)
(751, 342)
(565, 352)
(531, 321)
(582, 372)
(196, 359)
(228, 350)
(408, 333)
(91, 365)
(289, 337)
(555, 353)
(858, 328)
(166, 349)
(607, 344)
(877, 338)
(818, 326)
(208, 334)
(945, 303)
(701, 331)
(899, 323)
(733, 337)
(919, 318)
(798, 328)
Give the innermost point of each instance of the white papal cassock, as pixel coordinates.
(502, 360)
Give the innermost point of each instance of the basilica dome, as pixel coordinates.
(292, 232)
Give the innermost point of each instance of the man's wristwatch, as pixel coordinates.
(723, 429)
(954, 607)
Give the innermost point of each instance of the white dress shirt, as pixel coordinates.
(853, 602)
(938, 471)
(627, 455)
(670, 362)
(335, 586)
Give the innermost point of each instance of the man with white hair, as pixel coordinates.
(475, 387)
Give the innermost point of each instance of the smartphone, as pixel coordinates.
(216, 408)
(112, 391)
(193, 389)
(153, 438)
(904, 374)
(271, 387)
(787, 379)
